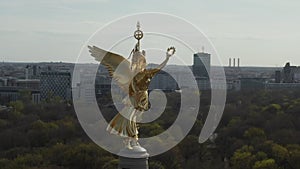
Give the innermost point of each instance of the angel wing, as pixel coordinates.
(117, 66)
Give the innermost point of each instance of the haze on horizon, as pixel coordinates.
(261, 33)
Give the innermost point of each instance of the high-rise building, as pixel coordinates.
(201, 66)
(201, 70)
(55, 84)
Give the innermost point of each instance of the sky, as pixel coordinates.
(260, 33)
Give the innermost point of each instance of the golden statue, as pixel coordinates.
(134, 80)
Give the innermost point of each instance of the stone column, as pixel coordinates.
(135, 158)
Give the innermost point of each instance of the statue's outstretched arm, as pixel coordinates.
(170, 52)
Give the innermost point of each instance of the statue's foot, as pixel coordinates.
(134, 142)
(129, 147)
(127, 143)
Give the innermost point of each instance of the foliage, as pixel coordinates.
(259, 130)
(265, 164)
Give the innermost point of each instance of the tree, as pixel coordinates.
(280, 153)
(113, 164)
(156, 165)
(32, 160)
(265, 164)
(259, 156)
(17, 106)
(25, 96)
(243, 158)
(151, 129)
(255, 136)
(294, 155)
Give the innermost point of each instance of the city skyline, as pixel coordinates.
(281, 65)
(259, 33)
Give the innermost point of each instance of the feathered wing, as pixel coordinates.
(117, 66)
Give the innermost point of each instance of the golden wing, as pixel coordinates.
(117, 66)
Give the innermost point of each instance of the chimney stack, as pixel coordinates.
(233, 62)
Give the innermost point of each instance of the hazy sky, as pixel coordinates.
(264, 33)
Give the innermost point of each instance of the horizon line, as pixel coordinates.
(227, 66)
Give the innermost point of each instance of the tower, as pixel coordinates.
(201, 66)
(201, 70)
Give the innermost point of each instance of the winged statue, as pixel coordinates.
(134, 79)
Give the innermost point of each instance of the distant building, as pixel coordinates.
(11, 88)
(22, 83)
(277, 76)
(287, 78)
(28, 83)
(282, 86)
(103, 83)
(36, 97)
(55, 84)
(13, 93)
(87, 87)
(163, 81)
(203, 83)
(32, 71)
(9, 81)
(291, 74)
(252, 83)
(201, 65)
(234, 85)
(201, 70)
(9, 93)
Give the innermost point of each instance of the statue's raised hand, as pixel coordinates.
(171, 51)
